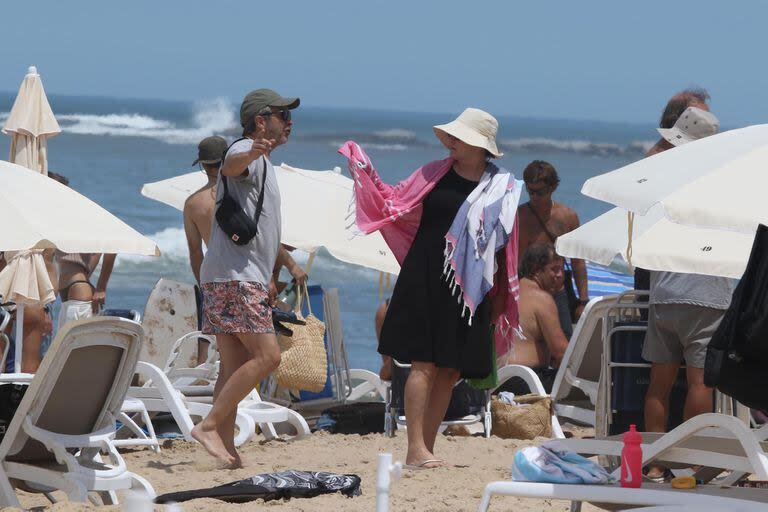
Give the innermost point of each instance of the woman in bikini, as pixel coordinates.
(79, 297)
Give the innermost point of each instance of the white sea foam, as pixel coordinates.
(395, 133)
(210, 117)
(574, 146)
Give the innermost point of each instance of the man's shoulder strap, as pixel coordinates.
(549, 234)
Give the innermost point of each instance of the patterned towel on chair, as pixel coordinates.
(273, 486)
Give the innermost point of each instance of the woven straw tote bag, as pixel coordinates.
(303, 363)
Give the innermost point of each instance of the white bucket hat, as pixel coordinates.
(474, 127)
(694, 123)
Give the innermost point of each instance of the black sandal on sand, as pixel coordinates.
(423, 465)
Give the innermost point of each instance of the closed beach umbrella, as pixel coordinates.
(714, 182)
(25, 279)
(30, 123)
(658, 244)
(314, 208)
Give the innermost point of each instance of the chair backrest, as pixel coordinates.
(582, 357)
(80, 385)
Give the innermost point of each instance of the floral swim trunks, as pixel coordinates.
(236, 307)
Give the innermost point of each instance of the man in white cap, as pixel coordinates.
(685, 310)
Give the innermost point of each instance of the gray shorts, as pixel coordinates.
(680, 331)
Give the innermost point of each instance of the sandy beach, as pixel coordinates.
(474, 461)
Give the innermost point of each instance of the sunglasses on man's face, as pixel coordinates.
(285, 115)
(540, 192)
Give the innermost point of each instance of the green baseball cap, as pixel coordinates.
(258, 101)
(210, 150)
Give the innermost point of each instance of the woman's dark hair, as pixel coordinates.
(679, 102)
(540, 171)
(536, 257)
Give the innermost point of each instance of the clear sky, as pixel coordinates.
(579, 59)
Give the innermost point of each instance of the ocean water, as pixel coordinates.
(109, 147)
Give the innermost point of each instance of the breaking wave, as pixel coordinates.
(210, 117)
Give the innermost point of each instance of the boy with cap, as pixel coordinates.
(198, 208)
(198, 215)
(237, 282)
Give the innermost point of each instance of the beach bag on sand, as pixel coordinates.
(532, 418)
(273, 486)
(304, 363)
(737, 354)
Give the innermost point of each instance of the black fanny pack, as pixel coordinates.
(232, 219)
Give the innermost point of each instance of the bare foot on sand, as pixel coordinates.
(211, 441)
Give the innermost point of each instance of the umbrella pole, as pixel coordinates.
(18, 341)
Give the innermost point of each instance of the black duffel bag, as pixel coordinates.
(737, 355)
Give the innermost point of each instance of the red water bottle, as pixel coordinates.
(632, 459)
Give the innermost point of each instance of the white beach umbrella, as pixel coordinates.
(41, 213)
(714, 182)
(658, 244)
(314, 208)
(30, 123)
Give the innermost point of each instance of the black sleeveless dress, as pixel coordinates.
(424, 322)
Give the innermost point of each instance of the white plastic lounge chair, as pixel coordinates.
(66, 420)
(732, 447)
(158, 395)
(197, 385)
(730, 499)
(710, 440)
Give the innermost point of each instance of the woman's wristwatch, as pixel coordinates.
(583, 302)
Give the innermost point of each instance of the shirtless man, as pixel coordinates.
(544, 344)
(542, 220)
(199, 207)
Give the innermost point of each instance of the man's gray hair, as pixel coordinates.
(679, 102)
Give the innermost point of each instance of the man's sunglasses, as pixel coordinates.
(541, 192)
(285, 115)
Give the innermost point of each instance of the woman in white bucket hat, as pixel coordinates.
(439, 223)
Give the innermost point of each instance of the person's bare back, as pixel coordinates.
(199, 208)
(533, 306)
(198, 217)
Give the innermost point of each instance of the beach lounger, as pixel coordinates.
(187, 393)
(710, 440)
(66, 419)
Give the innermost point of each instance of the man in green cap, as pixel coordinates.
(237, 280)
